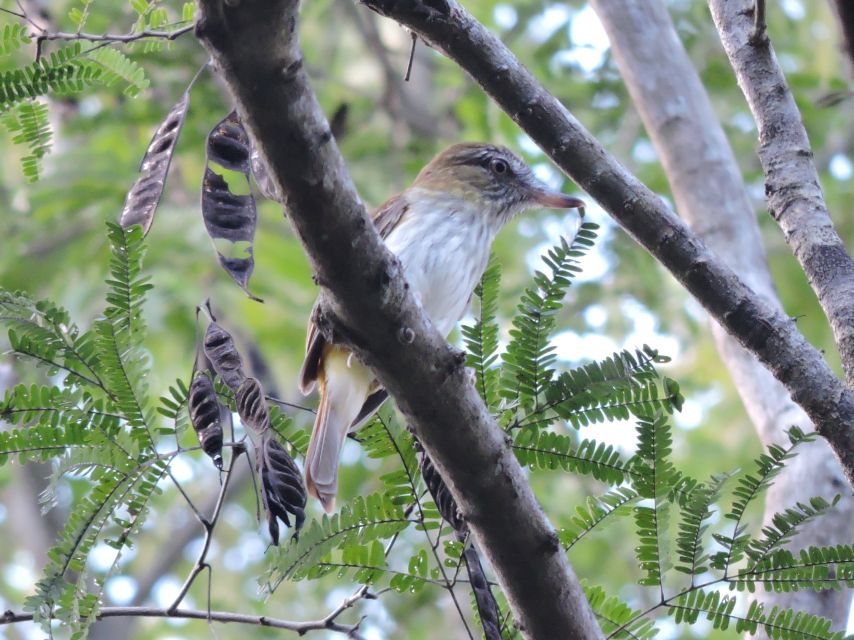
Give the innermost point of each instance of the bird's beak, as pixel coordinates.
(545, 197)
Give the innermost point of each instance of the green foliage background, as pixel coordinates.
(54, 246)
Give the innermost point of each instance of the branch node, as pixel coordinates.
(291, 71)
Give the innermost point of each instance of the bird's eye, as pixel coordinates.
(499, 167)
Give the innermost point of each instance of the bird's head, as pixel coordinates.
(492, 177)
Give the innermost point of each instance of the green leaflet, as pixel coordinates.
(528, 363)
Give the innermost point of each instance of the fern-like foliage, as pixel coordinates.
(696, 509)
(749, 488)
(528, 363)
(594, 513)
(28, 124)
(816, 568)
(118, 67)
(616, 618)
(63, 72)
(360, 523)
(548, 451)
(623, 385)
(654, 478)
(782, 624)
(481, 339)
(12, 37)
(95, 423)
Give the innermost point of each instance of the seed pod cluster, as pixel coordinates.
(223, 355)
(204, 411)
(252, 407)
(282, 488)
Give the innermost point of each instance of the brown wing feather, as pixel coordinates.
(385, 219)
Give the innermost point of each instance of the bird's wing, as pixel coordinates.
(385, 218)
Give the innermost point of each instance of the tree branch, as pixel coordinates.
(116, 37)
(845, 12)
(255, 47)
(794, 194)
(9, 617)
(709, 192)
(768, 333)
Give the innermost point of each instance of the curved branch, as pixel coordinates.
(795, 199)
(254, 45)
(765, 331)
(9, 617)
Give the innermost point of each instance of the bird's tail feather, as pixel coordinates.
(344, 387)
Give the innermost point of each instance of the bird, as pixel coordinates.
(441, 229)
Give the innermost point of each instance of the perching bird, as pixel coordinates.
(441, 228)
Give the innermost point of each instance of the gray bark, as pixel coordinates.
(710, 194)
(761, 328)
(368, 307)
(794, 194)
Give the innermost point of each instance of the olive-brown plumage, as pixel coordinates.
(441, 229)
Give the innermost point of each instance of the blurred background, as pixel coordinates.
(53, 245)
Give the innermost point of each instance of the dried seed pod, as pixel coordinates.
(487, 608)
(144, 195)
(205, 416)
(228, 208)
(226, 360)
(440, 493)
(252, 406)
(282, 488)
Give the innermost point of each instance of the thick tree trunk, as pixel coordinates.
(711, 196)
(792, 187)
(368, 306)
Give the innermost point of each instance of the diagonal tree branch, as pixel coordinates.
(765, 331)
(255, 47)
(794, 194)
(710, 194)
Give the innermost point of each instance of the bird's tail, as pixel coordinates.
(344, 386)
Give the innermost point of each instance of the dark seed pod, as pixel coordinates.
(252, 406)
(205, 417)
(226, 360)
(282, 488)
(487, 608)
(144, 195)
(440, 493)
(228, 208)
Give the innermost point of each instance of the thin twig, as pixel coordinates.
(411, 56)
(301, 628)
(758, 35)
(293, 405)
(115, 37)
(209, 525)
(189, 501)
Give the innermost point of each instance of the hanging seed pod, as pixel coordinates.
(282, 488)
(252, 406)
(487, 608)
(440, 493)
(144, 195)
(204, 411)
(226, 360)
(228, 208)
